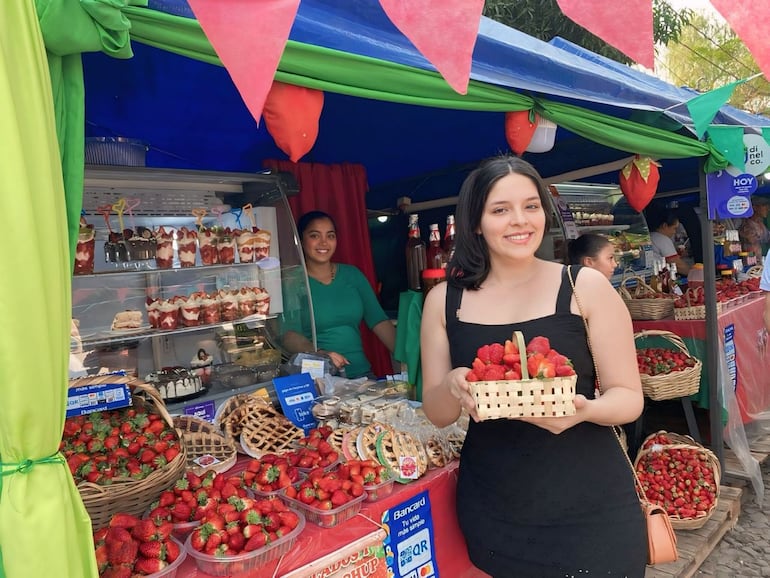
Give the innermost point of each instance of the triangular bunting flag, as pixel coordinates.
(704, 107)
(249, 38)
(729, 141)
(626, 26)
(766, 134)
(444, 31)
(745, 17)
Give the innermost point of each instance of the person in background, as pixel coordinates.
(664, 227)
(753, 231)
(342, 297)
(539, 496)
(595, 251)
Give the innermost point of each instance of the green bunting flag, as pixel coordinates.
(704, 107)
(729, 141)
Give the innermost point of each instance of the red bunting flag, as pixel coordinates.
(444, 31)
(625, 25)
(249, 38)
(747, 18)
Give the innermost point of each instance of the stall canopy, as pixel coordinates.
(384, 107)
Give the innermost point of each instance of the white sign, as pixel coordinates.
(756, 156)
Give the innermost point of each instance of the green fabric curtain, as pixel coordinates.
(44, 528)
(340, 72)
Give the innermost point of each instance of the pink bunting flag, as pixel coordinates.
(249, 38)
(625, 25)
(747, 18)
(444, 31)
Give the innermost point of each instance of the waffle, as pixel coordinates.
(366, 441)
(402, 454)
(268, 432)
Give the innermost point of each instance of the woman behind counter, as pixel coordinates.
(549, 496)
(342, 298)
(595, 251)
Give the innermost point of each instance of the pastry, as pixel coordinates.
(129, 319)
(402, 454)
(264, 430)
(367, 438)
(175, 382)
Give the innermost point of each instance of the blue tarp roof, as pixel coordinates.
(192, 116)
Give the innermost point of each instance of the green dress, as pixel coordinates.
(339, 308)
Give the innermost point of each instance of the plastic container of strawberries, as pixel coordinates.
(327, 518)
(180, 530)
(374, 492)
(171, 570)
(246, 561)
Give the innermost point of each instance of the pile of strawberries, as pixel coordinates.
(681, 480)
(326, 491)
(243, 525)
(496, 362)
(124, 443)
(660, 361)
(314, 451)
(269, 473)
(364, 472)
(193, 497)
(130, 547)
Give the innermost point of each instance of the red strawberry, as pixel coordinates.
(121, 520)
(290, 519)
(339, 497)
(149, 565)
(258, 540)
(512, 375)
(471, 376)
(172, 551)
(166, 498)
(102, 559)
(539, 344)
(564, 370)
(120, 571)
(494, 373)
(483, 354)
(236, 542)
(478, 366)
(153, 550)
(307, 495)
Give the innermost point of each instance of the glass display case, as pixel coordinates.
(185, 277)
(597, 208)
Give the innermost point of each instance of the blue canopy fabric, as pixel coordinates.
(192, 116)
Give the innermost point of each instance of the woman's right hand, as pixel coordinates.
(338, 359)
(458, 386)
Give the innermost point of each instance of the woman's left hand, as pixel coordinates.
(557, 425)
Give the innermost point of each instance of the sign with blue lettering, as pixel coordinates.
(730, 355)
(409, 547)
(296, 394)
(100, 397)
(205, 410)
(729, 196)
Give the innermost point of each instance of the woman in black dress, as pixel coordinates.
(536, 497)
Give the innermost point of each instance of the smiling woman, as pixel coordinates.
(546, 523)
(342, 299)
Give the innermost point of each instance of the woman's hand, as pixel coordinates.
(458, 386)
(557, 425)
(338, 359)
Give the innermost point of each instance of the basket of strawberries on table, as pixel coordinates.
(667, 373)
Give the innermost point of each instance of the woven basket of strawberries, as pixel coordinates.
(516, 380)
(122, 459)
(643, 302)
(667, 373)
(680, 475)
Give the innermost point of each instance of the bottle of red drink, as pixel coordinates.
(436, 255)
(449, 239)
(416, 256)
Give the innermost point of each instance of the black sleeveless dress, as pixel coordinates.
(534, 504)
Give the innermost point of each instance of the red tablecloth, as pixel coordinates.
(315, 542)
(751, 351)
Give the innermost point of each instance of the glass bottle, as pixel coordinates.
(416, 256)
(664, 281)
(654, 277)
(436, 255)
(449, 239)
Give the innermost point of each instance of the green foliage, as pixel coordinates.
(709, 55)
(543, 19)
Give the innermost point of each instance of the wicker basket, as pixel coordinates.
(693, 311)
(526, 397)
(680, 441)
(643, 302)
(201, 440)
(128, 495)
(755, 271)
(674, 384)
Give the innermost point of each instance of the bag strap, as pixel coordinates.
(638, 484)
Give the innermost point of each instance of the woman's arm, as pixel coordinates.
(444, 390)
(767, 309)
(386, 332)
(297, 343)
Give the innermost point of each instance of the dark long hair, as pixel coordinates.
(586, 245)
(304, 221)
(470, 265)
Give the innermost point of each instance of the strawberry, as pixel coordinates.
(258, 540)
(564, 370)
(119, 571)
(307, 495)
(171, 453)
(166, 498)
(471, 376)
(494, 373)
(483, 354)
(539, 344)
(290, 519)
(172, 551)
(339, 498)
(236, 542)
(512, 375)
(149, 565)
(496, 352)
(153, 550)
(478, 366)
(102, 560)
(121, 520)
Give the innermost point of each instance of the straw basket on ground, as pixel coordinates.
(664, 451)
(676, 383)
(126, 494)
(526, 397)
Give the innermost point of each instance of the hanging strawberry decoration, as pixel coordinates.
(520, 127)
(639, 181)
(291, 116)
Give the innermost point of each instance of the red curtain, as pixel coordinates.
(340, 190)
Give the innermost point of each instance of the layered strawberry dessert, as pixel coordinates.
(228, 305)
(164, 248)
(263, 301)
(209, 312)
(245, 240)
(226, 246)
(169, 313)
(190, 309)
(153, 312)
(247, 301)
(84, 253)
(207, 245)
(262, 244)
(187, 245)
